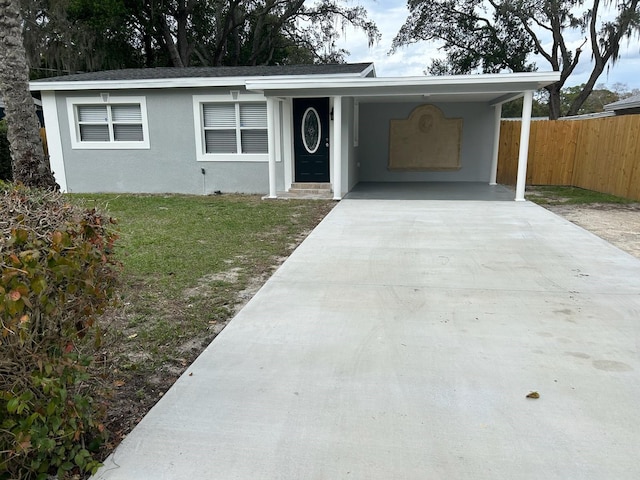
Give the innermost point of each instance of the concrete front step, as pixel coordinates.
(307, 194)
(315, 191)
(310, 186)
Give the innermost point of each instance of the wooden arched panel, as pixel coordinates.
(426, 140)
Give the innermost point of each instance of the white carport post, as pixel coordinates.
(337, 148)
(493, 180)
(524, 145)
(271, 141)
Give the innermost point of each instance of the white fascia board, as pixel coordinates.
(188, 82)
(525, 81)
(138, 84)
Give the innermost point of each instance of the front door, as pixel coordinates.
(311, 139)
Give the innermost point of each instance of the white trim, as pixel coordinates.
(74, 129)
(271, 107)
(525, 129)
(185, 82)
(356, 122)
(337, 148)
(496, 144)
(287, 142)
(54, 139)
(464, 84)
(198, 120)
(277, 125)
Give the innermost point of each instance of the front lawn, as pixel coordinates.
(189, 262)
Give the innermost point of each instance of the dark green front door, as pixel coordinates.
(311, 139)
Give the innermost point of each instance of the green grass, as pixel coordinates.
(174, 242)
(185, 261)
(554, 195)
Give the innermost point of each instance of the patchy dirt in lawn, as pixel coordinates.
(619, 224)
(137, 377)
(145, 346)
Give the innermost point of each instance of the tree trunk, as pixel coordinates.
(176, 60)
(554, 100)
(28, 161)
(586, 91)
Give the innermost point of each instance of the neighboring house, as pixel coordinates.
(263, 129)
(627, 106)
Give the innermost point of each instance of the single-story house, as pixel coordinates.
(627, 106)
(267, 129)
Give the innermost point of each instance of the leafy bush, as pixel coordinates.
(5, 153)
(57, 275)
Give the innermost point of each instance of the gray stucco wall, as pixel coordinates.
(169, 165)
(476, 149)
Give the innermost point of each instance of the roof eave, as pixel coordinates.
(508, 84)
(183, 82)
(526, 80)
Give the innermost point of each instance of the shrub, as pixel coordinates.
(5, 153)
(57, 276)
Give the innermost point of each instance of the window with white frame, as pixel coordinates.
(231, 129)
(108, 122)
(235, 128)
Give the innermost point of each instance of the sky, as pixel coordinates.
(389, 15)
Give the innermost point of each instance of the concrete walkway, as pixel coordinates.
(399, 341)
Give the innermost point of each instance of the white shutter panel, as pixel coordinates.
(92, 113)
(220, 141)
(94, 133)
(127, 133)
(253, 115)
(126, 113)
(219, 115)
(255, 141)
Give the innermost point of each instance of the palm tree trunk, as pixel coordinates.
(28, 161)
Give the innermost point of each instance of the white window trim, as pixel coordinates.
(356, 122)
(201, 154)
(74, 127)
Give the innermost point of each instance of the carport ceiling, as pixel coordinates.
(491, 88)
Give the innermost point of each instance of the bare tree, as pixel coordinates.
(28, 161)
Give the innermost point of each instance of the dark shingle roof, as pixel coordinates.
(160, 73)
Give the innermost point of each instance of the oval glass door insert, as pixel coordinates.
(311, 130)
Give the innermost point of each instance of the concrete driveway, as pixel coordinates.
(399, 341)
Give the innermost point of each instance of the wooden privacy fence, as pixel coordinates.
(43, 137)
(601, 154)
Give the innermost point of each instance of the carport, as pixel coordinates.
(371, 120)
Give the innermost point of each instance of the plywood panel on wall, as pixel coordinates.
(425, 141)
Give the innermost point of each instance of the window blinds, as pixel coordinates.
(125, 121)
(223, 122)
